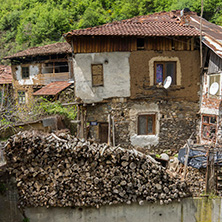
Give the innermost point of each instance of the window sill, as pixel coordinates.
(172, 87)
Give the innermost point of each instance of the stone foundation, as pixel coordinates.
(175, 122)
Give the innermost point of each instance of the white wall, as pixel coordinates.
(116, 74)
(143, 140)
(33, 72)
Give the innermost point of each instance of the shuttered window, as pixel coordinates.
(97, 74)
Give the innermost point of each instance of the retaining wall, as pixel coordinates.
(188, 210)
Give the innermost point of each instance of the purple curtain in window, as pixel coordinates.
(159, 73)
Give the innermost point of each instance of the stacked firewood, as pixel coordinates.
(60, 170)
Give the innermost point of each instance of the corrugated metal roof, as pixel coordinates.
(5, 75)
(212, 34)
(157, 24)
(52, 88)
(56, 48)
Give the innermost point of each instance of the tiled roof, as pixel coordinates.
(5, 75)
(212, 34)
(157, 24)
(56, 48)
(52, 88)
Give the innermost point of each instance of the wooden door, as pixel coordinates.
(103, 132)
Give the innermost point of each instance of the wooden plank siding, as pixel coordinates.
(90, 44)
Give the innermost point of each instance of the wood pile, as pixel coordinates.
(61, 170)
(196, 180)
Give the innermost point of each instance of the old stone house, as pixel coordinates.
(119, 73)
(41, 71)
(210, 101)
(6, 90)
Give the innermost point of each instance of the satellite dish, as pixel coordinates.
(214, 88)
(167, 82)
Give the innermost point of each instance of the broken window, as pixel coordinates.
(146, 124)
(97, 74)
(61, 67)
(25, 72)
(140, 44)
(164, 69)
(21, 97)
(209, 126)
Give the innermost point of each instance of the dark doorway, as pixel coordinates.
(103, 132)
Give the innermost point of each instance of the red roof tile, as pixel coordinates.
(52, 88)
(5, 75)
(157, 24)
(56, 48)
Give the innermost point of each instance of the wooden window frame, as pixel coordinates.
(92, 74)
(208, 124)
(23, 97)
(24, 73)
(174, 81)
(153, 125)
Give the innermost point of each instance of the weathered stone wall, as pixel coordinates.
(179, 120)
(175, 122)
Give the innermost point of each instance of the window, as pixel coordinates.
(146, 124)
(97, 74)
(215, 78)
(140, 44)
(209, 126)
(164, 69)
(25, 72)
(21, 97)
(47, 68)
(61, 67)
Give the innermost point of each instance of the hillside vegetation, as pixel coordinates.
(30, 23)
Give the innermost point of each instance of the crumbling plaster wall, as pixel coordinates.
(210, 104)
(115, 73)
(34, 70)
(175, 122)
(188, 74)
